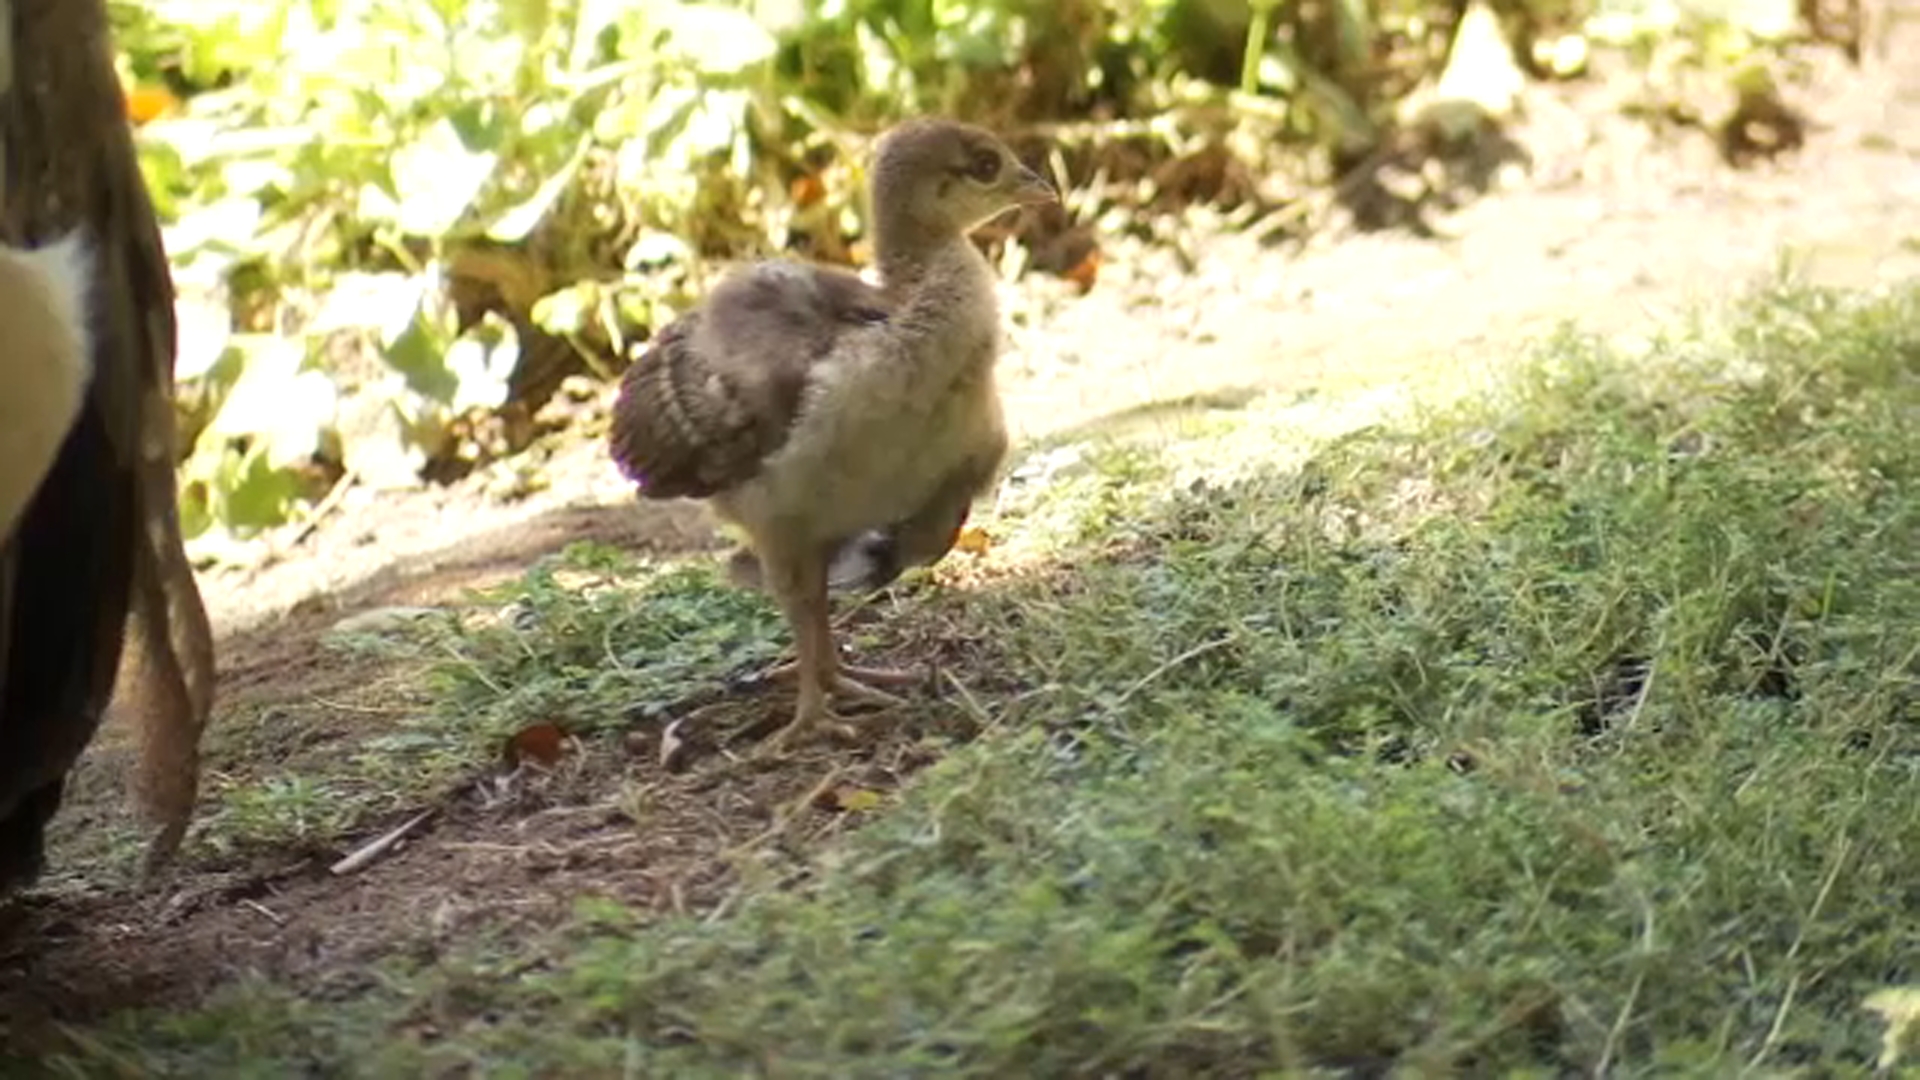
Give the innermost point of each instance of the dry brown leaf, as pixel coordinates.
(671, 745)
(806, 189)
(1085, 272)
(540, 744)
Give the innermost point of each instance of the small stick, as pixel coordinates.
(980, 716)
(378, 846)
(326, 506)
(1197, 651)
(792, 810)
(272, 916)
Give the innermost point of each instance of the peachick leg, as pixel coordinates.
(922, 540)
(800, 582)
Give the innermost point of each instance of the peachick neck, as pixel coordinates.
(947, 287)
(905, 252)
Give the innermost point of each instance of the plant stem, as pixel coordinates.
(1256, 47)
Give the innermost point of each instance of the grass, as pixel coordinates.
(1567, 726)
(591, 642)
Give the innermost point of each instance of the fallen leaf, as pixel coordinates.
(806, 190)
(1085, 272)
(1480, 66)
(973, 540)
(1564, 56)
(670, 745)
(851, 799)
(1900, 1008)
(541, 744)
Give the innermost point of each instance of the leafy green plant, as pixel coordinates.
(390, 222)
(281, 811)
(591, 641)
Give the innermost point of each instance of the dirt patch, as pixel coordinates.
(509, 852)
(1613, 225)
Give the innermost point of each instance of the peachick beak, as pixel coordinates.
(1033, 189)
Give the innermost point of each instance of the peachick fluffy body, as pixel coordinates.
(845, 428)
(886, 418)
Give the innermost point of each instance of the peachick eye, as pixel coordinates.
(986, 166)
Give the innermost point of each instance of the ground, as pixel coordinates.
(1613, 224)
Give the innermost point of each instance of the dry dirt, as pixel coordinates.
(1612, 224)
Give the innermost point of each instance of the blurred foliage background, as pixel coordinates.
(399, 230)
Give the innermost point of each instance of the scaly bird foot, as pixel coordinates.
(875, 676)
(848, 688)
(861, 684)
(807, 723)
(815, 717)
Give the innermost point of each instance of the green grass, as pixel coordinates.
(590, 640)
(1565, 726)
(594, 642)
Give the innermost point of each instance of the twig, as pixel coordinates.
(378, 846)
(1145, 680)
(473, 668)
(1640, 699)
(272, 916)
(324, 507)
(1633, 994)
(368, 710)
(1793, 951)
(494, 847)
(786, 815)
(726, 903)
(987, 723)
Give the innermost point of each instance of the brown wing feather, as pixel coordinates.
(717, 389)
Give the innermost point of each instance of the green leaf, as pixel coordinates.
(655, 248)
(566, 311)
(420, 358)
(715, 123)
(282, 409)
(716, 40)
(257, 495)
(436, 179)
(520, 220)
(480, 362)
(204, 329)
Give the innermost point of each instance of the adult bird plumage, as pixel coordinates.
(91, 554)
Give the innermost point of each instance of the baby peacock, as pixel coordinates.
(845, 428)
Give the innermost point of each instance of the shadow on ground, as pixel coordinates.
(506, 853)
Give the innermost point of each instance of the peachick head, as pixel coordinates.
(938, 176)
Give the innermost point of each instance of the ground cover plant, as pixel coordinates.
(1563, 724)
(387, 286)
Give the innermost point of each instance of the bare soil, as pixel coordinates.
(1613, 224)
